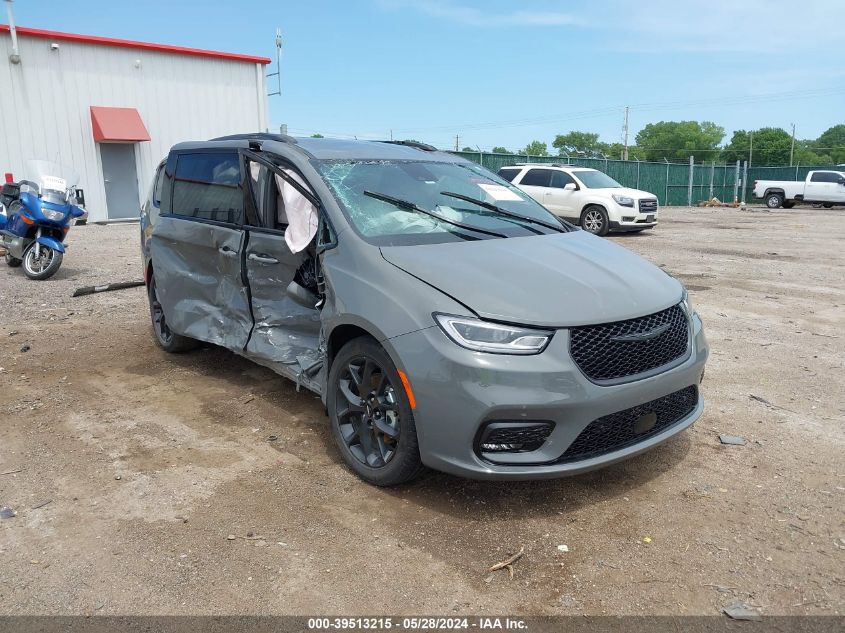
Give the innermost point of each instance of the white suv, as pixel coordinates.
(589, 197)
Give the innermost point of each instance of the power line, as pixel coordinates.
(647, 106)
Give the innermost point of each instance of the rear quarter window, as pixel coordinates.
(537, 177)
(508, 174)
(208, 186)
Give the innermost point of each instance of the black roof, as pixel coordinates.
(329, 148)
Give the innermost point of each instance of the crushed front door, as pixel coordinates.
(285, 334)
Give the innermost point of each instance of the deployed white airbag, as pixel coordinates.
(301, 215)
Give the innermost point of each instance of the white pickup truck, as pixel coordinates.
(823, 187)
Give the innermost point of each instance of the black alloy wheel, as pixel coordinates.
(371, 416)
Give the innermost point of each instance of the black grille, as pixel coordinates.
(512, 438)
(631, 426)
(610, 351)
(648, 206)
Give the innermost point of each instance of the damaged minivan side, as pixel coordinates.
(445, 318)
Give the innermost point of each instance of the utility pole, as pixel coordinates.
(750, 146)
(625, 135)
(278, 73)
(457, 139)
(792, 147)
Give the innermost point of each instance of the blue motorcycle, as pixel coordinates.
(35, 217)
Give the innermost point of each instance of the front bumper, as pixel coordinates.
(632, 218)
(458, 390)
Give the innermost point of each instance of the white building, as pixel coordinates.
(111, 109)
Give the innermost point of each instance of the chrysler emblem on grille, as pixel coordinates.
(641, 336)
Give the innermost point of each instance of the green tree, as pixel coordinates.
(536, 148)
(615, 151)
(806, 153)
(832, 143)
(771, 146)
(469, 149)
(317, 135)
(678, 140)
(584, 143)
(501, 150)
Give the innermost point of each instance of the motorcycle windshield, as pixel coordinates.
(52, 180)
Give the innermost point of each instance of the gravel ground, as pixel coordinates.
(146, 483)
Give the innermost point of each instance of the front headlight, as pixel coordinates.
(52, 214)
(623, 201)
(495, 338)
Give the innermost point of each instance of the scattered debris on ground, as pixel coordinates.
(508, 562)
(735, 440)
(741, 611)
(89, 290)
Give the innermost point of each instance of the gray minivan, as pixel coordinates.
(445, 318)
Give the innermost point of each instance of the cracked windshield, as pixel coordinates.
(411, 202)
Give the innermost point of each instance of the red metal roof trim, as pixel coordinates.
(117, 124)
(147, 46)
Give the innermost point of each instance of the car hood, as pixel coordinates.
(558, 280)
(636, 194)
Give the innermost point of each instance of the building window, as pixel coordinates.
(208, 186)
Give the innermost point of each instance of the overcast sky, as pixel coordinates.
(504, 72)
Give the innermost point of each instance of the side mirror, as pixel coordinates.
(570, 186)
(79, 194)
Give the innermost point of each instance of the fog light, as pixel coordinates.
(627, 218)
(514, 437)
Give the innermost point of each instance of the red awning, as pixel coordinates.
(118, 124)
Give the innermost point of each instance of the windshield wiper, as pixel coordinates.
(410, 206)
(509, 214)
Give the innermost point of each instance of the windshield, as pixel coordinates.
(51, 179)
(596, 180)
(423, 184)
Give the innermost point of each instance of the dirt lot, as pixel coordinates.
(149, 462)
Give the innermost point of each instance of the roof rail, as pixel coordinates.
(423, 146)
(544, 165)
(257, 136)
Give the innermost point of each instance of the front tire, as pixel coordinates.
(828, 205)
(168, 340)
(13, 262)
(42, 263)
(774, 200)
(371, 417)
(594, 220)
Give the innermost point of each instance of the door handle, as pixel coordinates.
(262, 259)
(225, 251)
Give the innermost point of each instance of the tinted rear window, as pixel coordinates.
(825, 176)
(509, 174)
(208, 186)
(537, 177)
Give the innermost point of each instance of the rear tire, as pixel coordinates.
(13, 262)
(43, 266)
(168, 340)
(594, 220)
(774, 200)
(371, 417)
(828, 205)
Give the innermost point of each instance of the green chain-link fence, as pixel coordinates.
(670, 182)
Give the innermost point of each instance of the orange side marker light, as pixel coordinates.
(408, 391)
